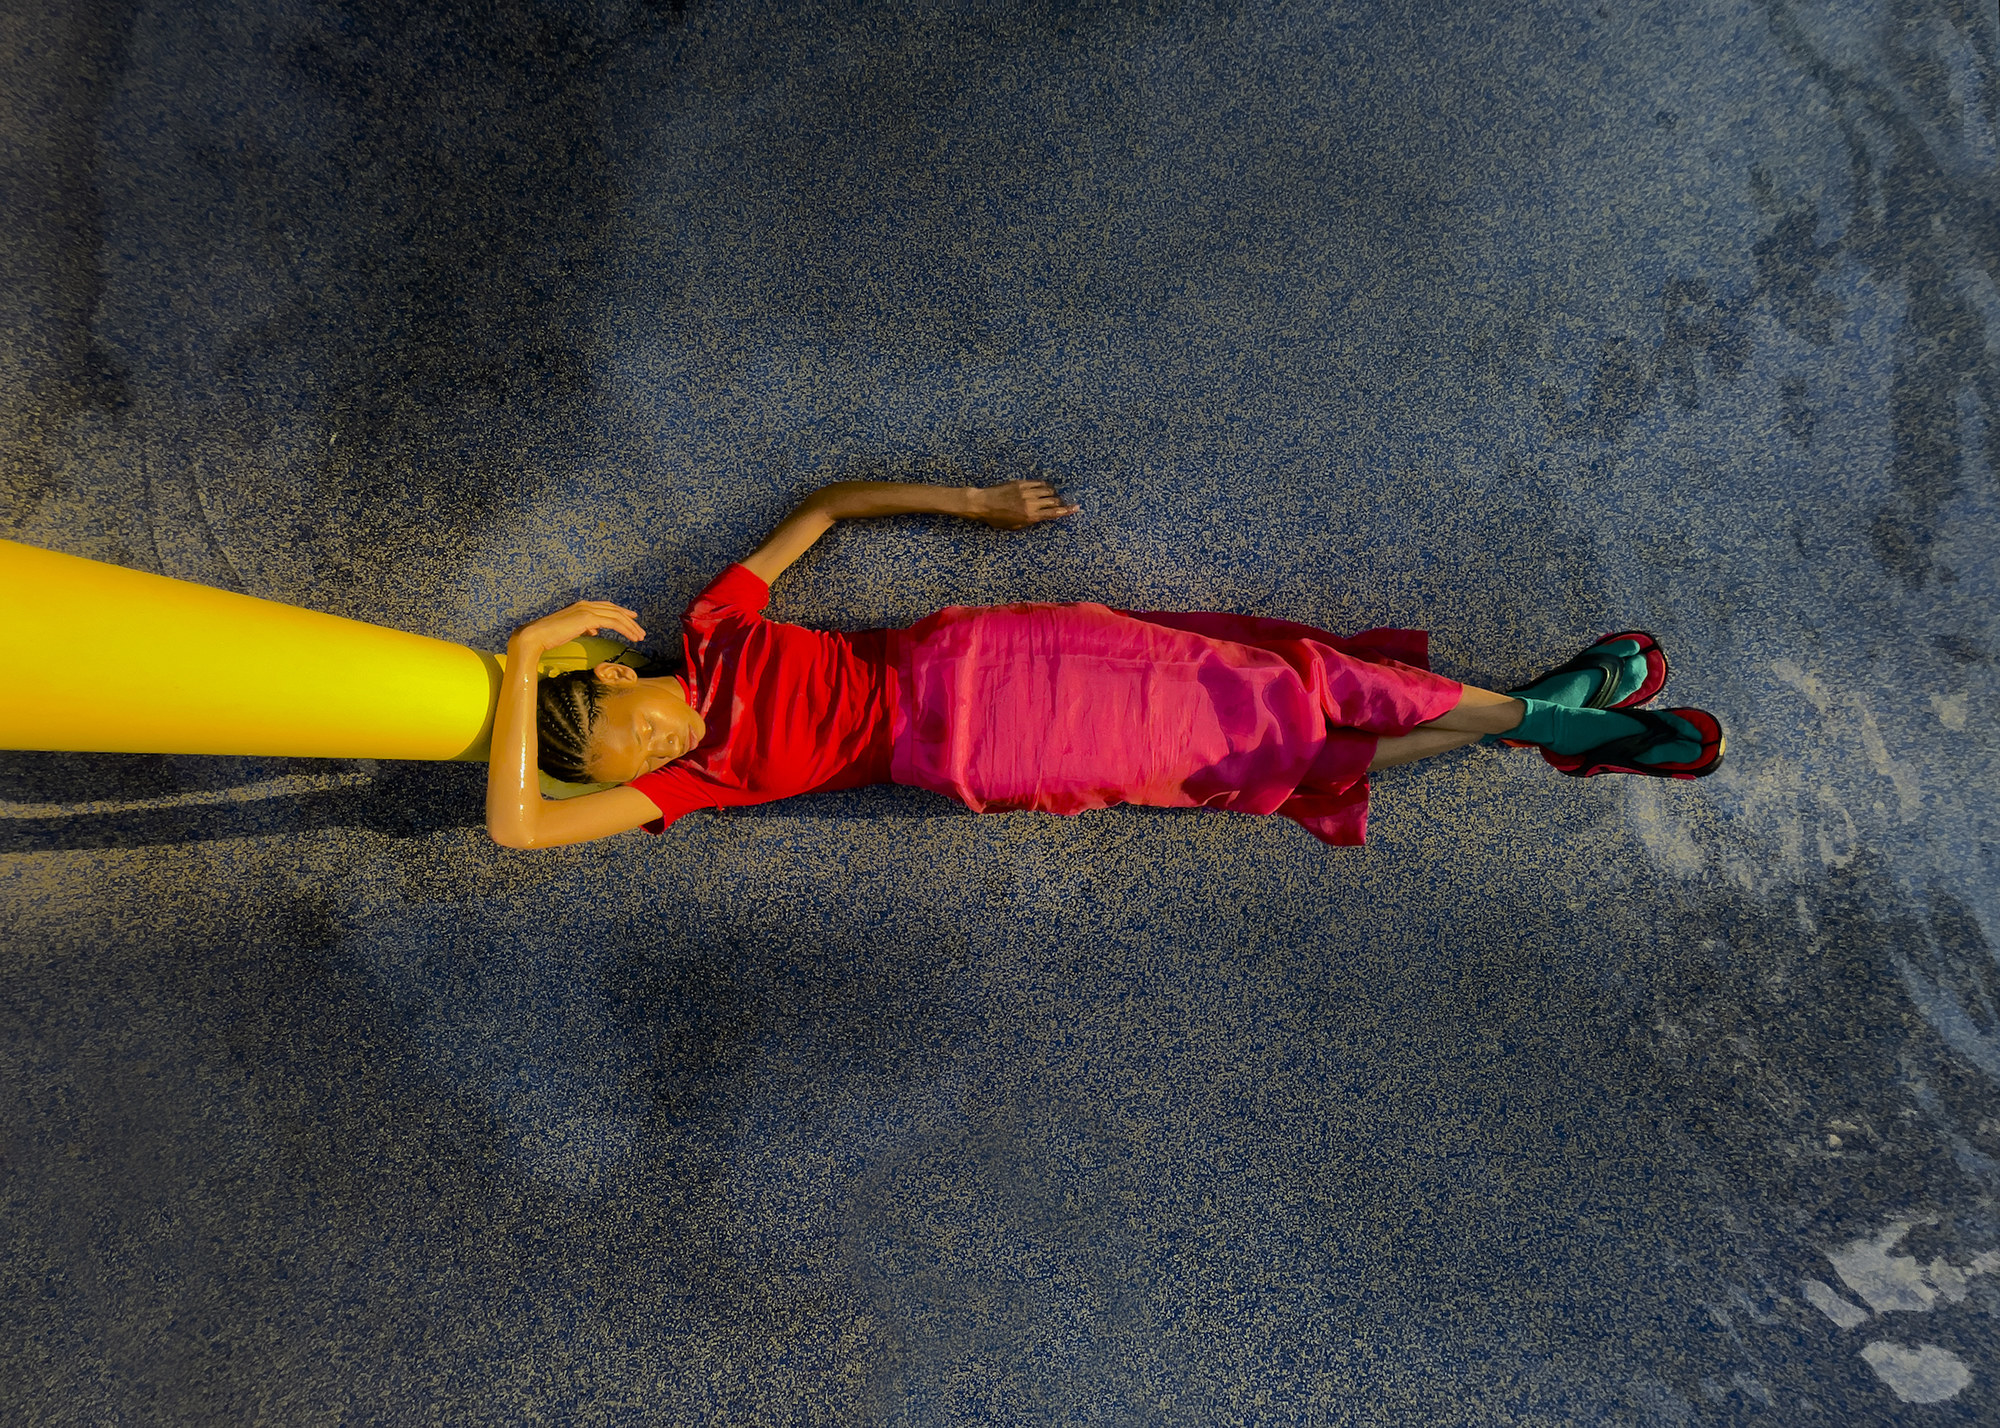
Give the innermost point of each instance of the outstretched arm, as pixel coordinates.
(1008, 508)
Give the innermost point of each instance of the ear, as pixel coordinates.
(609, 673)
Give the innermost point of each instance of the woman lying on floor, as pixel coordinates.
(1055, 707)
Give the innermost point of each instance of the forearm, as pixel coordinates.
(513, 789)
(850, 500)
(1007, 507)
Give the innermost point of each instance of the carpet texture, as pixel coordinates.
(1563, 1102)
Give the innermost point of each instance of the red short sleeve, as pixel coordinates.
(714, 625)
(674, 791)
(736, 591)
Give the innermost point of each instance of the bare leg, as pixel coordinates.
(1478, 712)
(1418, 744)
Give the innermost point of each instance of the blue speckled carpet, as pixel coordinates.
(1563, 1102)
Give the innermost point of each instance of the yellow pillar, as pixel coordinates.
(178, 668)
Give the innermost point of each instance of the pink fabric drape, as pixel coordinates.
(1065, 708)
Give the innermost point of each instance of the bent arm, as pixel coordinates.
(517, 816)
(1008, 507)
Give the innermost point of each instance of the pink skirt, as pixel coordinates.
(1064, 708)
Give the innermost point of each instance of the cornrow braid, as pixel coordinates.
(565, 712)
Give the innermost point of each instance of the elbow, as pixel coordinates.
(837, 501)
(510, 837)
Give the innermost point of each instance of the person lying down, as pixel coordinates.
(1060, 708)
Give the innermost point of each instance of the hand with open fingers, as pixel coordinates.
(538, 637)
(1019, 504)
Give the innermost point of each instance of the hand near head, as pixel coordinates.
(1019, 504)
(516, 813)
(538, 637)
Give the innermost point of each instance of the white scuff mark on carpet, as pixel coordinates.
(1827, 1300)
(1925, 1374)
(1888, 1282)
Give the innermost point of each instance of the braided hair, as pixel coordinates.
(565, 713)
(566, 708)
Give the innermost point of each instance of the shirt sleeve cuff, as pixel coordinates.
(737, 586)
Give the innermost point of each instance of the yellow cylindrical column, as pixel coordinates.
(185, 669)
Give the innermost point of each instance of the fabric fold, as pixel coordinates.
(1065, 708)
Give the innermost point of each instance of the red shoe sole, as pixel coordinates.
(1712, 746)
(1656, 666)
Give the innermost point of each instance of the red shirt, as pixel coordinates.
(789, 710)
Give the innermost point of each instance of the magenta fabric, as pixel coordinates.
(1065, 708)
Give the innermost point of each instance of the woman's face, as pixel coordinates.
(641, 725)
